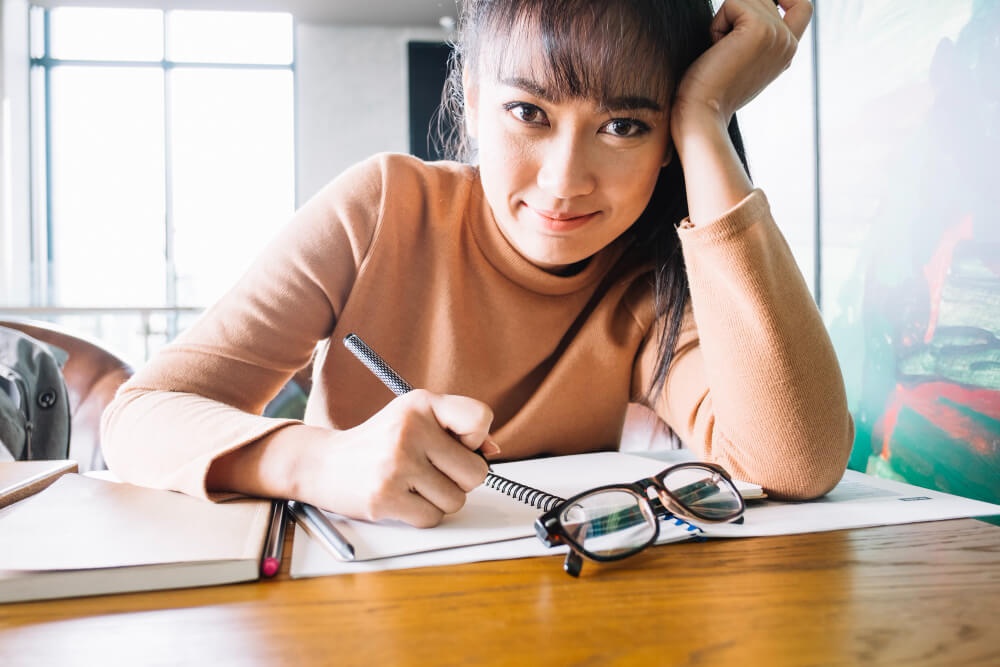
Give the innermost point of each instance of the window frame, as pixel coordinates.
(41, 63)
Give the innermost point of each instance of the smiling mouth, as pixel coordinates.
(556, 221)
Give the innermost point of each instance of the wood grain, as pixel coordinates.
(920, 594)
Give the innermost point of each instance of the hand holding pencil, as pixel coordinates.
(439, 473)
(391, 379)
(415, 460)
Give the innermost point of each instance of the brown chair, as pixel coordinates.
(93, 375)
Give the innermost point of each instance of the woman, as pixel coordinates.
(532, 296)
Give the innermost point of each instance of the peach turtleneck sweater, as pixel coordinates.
(407, 255)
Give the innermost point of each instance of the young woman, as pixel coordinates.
(605, 246)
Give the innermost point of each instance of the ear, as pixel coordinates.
(471, 101)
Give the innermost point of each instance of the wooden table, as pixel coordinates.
(920, 594)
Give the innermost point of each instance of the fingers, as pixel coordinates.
(798, 13)
(433, 464)
(423, 505)
(467, 419)
(440, 494)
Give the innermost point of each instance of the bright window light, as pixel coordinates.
(229, 37)
(88, 33)
(160, 173)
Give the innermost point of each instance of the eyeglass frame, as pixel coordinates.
(552, 533)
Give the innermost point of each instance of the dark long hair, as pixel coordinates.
(599, 50)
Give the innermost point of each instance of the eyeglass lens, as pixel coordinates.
(609, 524)
(704, 492)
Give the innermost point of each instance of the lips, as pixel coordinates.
(561, 221)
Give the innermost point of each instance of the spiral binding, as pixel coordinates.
(522, 492)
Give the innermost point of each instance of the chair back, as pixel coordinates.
(93, 375)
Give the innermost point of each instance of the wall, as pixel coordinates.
(911, 240)
(352, 97)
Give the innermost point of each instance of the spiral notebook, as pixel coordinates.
(498, 515)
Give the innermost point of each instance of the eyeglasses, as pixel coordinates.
(620, 520)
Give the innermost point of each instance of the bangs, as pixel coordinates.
(597, 50)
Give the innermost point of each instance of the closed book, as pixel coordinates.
(20, 479)
(85, 536)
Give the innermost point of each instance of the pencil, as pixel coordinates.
(376, 365)
(389, 377)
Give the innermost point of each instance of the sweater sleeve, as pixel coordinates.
(203, 394)
(755, 384)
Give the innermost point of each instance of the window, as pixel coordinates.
(163, 160)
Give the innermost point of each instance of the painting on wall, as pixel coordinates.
(910, 214)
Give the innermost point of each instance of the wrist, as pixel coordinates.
(694, 114)
(289, 461)
(274, 466)
(714, 175)
(697, 124)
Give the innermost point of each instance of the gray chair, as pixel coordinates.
(93, 375)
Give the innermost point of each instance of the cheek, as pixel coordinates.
(636, 179)
(505, 158)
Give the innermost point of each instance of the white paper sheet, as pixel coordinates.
(858, 501)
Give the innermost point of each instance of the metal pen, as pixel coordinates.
(319, 527)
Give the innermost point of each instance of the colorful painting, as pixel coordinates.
(910, 215)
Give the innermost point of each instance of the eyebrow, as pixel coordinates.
(621, 103)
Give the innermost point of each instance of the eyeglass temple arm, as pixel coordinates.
(574, 561)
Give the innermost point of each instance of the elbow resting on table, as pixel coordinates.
(817, 471)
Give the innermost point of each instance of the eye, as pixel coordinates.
(625, 127)
(526, 113)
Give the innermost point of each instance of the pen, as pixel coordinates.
(382, 370)
(314, 522)
(274, 545)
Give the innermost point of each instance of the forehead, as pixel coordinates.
(601, 60)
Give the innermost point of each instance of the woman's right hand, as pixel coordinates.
(753, 43)
(413, 461)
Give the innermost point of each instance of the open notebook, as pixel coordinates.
(86, 536)
(491, 518)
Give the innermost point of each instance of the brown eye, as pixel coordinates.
(625, 127)
(527, 113)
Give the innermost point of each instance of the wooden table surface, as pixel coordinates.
(918, 594)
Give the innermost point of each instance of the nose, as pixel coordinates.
(566, 169)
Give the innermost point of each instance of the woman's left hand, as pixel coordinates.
(753, 44)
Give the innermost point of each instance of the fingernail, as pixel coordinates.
(489, 448)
